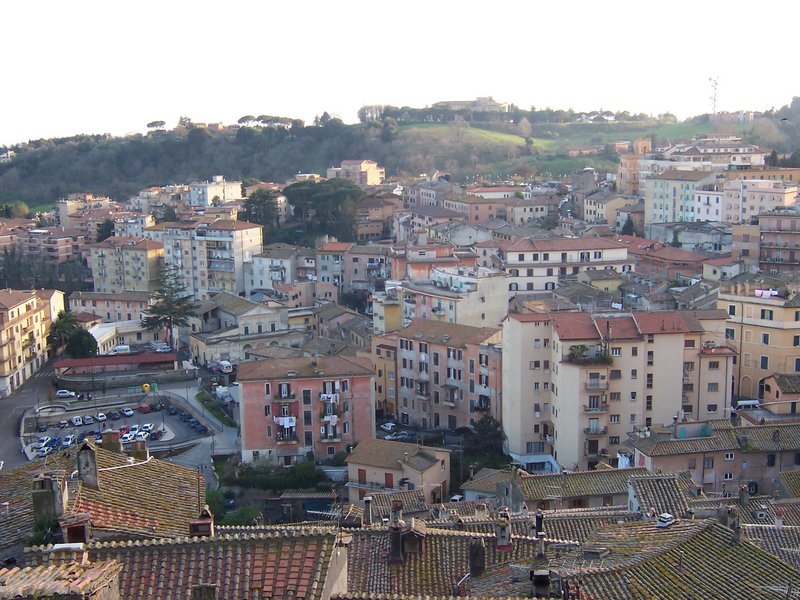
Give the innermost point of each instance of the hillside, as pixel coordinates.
(47, 169)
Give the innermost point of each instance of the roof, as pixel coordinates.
(458, 336)
(790, 480)
(334, 247)
(134, 498)
(129, 243)
(689, 559)
(233, 304)
(486, 480)
(231, 225)
(123, 359)
(788, 383)
(72, 580)
(561, 244)
(393, 455)
(676, 175)
(579, 484)
(659, 494)
(575, 326)
(322, 367)
(12, 298)
(660, 322)
(125, 296)
(783, 542)
(280, 563)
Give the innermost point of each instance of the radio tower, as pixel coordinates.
(714, 81)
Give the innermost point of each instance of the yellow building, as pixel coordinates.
(126, 264)
(764, 327)
(25, 320)
(384, 361)
(628, 171)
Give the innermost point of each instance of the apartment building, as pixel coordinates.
(657, 259)
(126, 263)
(628, 170)
(416, 261)
(361, 172)
(636, 214)
(74, 204)
(25, 320)
(279, 264)
(602, 208)
(539, 264)
(670, 196)
(210, 254)
(745, 199)
(292, 408)
(764, 327)
(387, 310)
(408, 222)
(449, 375)
(746, 246)
(720, 458)
(604, 375)
(330, 262)
(133, 226)
(383, 355)
(780, 241)
(214, 192)
(476, 209)
(112, 306)
(365, 266)
(787, 175)
(54, 244)
(477, 296)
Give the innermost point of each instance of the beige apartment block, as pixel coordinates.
(74, 204)
(780, 241)
(25, 320)
(384, 360)
(605, 375)
(764, 328)
(599, 208)
(126, 264)
(448, 374)
(745, 245)
(361, 172)
(54, 244)
(744, 199)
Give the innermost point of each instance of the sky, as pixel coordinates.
(112, 67)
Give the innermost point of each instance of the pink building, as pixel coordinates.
(290, 407)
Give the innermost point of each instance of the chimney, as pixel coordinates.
(744, 497)
(502, 530)
(540, 544)
(139, 450)
(49, 496)
(76, 528)
(368, 511)
(481, 512)
(776, 436)
(203, 526)
(477, 557)
(737, 533)
(539, 522)
(111, 441)
(396, 512)
(87, 466)
(396, 526)
(204, 591)
(472, 471)
(524, 509)
(689, 514)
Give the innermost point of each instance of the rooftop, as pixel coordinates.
(74, 580)
(304, 368)
(393, 455)
(449, 334)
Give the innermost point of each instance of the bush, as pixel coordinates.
(338, 459)
(304, 475)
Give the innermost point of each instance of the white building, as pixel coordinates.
(216, 191)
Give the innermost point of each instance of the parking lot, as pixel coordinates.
(169, 424)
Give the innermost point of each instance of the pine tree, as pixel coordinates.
(627, 228)
(172, 307)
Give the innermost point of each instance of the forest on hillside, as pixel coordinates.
(406, 141)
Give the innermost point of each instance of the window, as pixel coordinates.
(708, 463)
(650, 381)
(633, 418)
(266, 389)
(613, 440)
(613, 418)
(634, 373)
(765, 338)
(648, 403)
(713, 387)
(727, 476)
(616, 351)
(691, 463)
(650, 355)
(634, 351)
(307, 418)
(730, 334)
(796, 341)
(616, 396)
(766, 314)
(633, 396)
(688, 366)
(535, 365)
(770, 460)
(651, 338)
(712, 408)
(306, 397)
(615, 374)
(732, 310)
(435, 359)
(713, 365)
(267, 410)
(797, 458)
(688, 343)
(765, 362)
(797, 364)
(729, 456)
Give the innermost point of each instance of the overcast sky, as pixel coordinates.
(111, 67)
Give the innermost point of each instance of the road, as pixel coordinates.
(11, 410)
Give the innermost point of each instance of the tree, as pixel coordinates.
(81, 344)
(185, 122)
(489, 437)
(675, 243)
(65, 325)
(261, 207)
(627, 228)
(246, 120)
(169, 214)
(156, 125)
(105, 230)
(172, 306)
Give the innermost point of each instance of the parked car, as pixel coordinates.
(134, 429)
(123, 429)
(65, 394)
(148, 427)
(42, 427)
(87, 419)
(127, 412)
(399, 436)
(144, 408)
(127, 438)
(201, 428)
(42, 442)
(114, 415)
(77, 421)
(171, 410)
(157, 434)
(156, 406)
(69, 441)
(46, 451)
(142, 436)
(192, 422)
(184, 416)
(101, 417)
(389, 426)
(54, 443)
(63, 423)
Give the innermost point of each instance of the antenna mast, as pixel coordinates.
(714, 81)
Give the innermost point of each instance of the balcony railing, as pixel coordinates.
(597, 359)
(286, 439)
(284, 397)
(595, 431)
(596, 385)
(601, 408)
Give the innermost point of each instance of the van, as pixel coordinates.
(746, 404)
(221, 366)
(122, 349)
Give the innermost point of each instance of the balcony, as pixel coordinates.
(479, 407)
(375, 487)
(330, 439)
(601, 408)
(284, 440)
(284, 397)
(595, 431)
(595, 385)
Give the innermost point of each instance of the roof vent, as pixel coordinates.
(595, 552)
(291, 373)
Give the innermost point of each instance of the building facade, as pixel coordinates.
(126, 263)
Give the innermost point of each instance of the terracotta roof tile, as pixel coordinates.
(76, 580)
(391, 455)
(578, 484)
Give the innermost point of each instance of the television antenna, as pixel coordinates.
(714, 81)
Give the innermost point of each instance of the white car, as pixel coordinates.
(43, 441)
(65, 394)
(101, 417)
(77, 421)
(389, 426)
(88, 420)
(148, 427)
(127, 412)
(142, 436)
(134, 429)
(69, 441)
(126, 438)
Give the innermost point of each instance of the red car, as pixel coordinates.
(144, 408)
